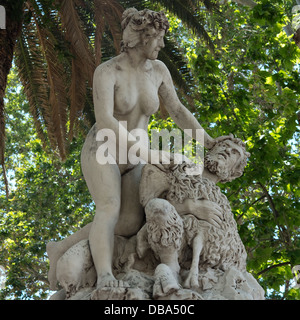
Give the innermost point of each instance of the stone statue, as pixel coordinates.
(189, 232)
(189, 247)
(175, 223)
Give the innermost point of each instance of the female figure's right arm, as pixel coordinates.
(103, 96)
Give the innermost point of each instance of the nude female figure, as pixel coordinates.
(125, 88)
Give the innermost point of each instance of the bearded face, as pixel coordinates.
(216, 167)
(224, 160)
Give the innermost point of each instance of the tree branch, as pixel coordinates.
(260, 198)
(37, 275)
(272, 267)
(270, 200)
(285, 234)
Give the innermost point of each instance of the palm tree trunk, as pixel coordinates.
(8, 39)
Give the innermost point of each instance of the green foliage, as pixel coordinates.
(250, 87)
(48, 201)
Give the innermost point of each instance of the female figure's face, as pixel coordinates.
(153, 45)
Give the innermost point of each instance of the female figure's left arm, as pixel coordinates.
(178, 112)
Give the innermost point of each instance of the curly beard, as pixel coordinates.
(214, 167)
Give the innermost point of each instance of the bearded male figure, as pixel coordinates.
(201, 215)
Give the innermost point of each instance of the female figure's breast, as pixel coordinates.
(132, 93)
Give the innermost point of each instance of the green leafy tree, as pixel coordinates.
(48, 201)
(250, 86)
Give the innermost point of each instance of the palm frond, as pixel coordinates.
(56, 80)
(189, 16)
(113, 17)
(77, 95)
(100, 27)
(70, 37)
(88, 111)
(75, 35)
(31, 68)
(176, 64)
(109, 13)
(210, 5)
(107, 46)
(140, 5)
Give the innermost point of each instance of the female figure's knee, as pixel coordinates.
(108, 209)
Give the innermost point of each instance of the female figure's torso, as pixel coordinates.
(135, 98)
(135, 93)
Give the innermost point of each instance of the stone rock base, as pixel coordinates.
(213, 285)
(117, 294)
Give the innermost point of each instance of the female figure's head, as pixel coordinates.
(144, 29)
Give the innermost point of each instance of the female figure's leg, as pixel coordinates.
(118, 211)
(132, 213)
(104, 183)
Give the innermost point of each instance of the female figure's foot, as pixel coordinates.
(108, 280)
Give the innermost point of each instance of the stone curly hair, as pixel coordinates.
(139, 26)
(240, 165)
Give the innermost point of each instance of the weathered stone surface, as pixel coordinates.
(117, 294)
(167, 228)
(175, 256)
